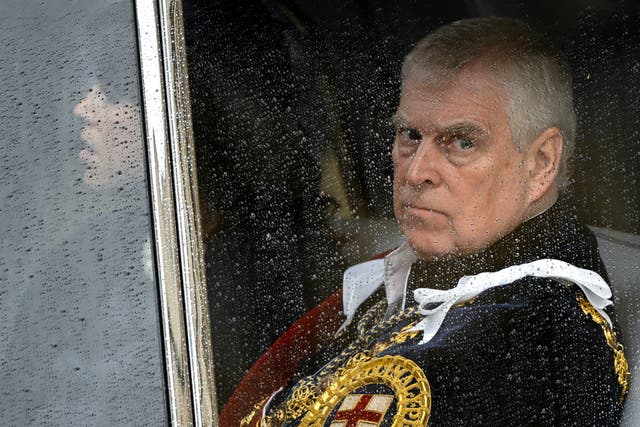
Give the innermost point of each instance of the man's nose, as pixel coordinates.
(425, 166)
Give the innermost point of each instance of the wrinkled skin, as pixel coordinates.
(460, 183)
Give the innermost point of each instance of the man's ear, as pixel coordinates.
(543, 164)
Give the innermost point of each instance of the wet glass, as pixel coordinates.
(80, 325)
(291, 105)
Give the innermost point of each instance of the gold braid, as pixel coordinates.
(620, 363)
(307, 390)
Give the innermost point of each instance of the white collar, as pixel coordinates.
(362, 280)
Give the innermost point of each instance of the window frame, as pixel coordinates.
(175, 211)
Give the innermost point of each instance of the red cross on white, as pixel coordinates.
(362, 410)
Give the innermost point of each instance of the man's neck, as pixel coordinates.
(543, 204)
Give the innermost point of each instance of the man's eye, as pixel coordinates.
(411, 134)
(414, 134)
(463, 144)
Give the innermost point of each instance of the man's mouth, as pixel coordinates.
(411, 206)
(422, 212)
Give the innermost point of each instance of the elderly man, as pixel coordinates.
(496, 310)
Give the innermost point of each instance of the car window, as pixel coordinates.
(292, 102)
(80, 321)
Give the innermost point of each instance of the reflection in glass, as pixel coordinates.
(111, 132)
(81, 342)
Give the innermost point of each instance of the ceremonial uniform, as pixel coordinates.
(534, 344)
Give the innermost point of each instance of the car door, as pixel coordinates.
(96, 211)
(184, 179)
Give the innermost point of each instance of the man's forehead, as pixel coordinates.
(450, 127)
(465, 99)
(477, 81)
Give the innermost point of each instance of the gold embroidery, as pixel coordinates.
(300, 400)
(247, 420)
(620, 363)
(465, 303)
(379, 347)
(405, 378)
(256, 409)
(404, 334)
(307, 390)
(399, 337)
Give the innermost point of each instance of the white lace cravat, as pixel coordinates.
(594, 287)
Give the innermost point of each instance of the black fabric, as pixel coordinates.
(556, 234)
(521, 354)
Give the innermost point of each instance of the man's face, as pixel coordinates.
(459, 182)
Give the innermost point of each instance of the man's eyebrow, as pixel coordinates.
(398, 121)
(464, 128)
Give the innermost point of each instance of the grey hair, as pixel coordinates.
(536, 76)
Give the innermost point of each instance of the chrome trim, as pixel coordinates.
(188, 213)
(163, 211)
